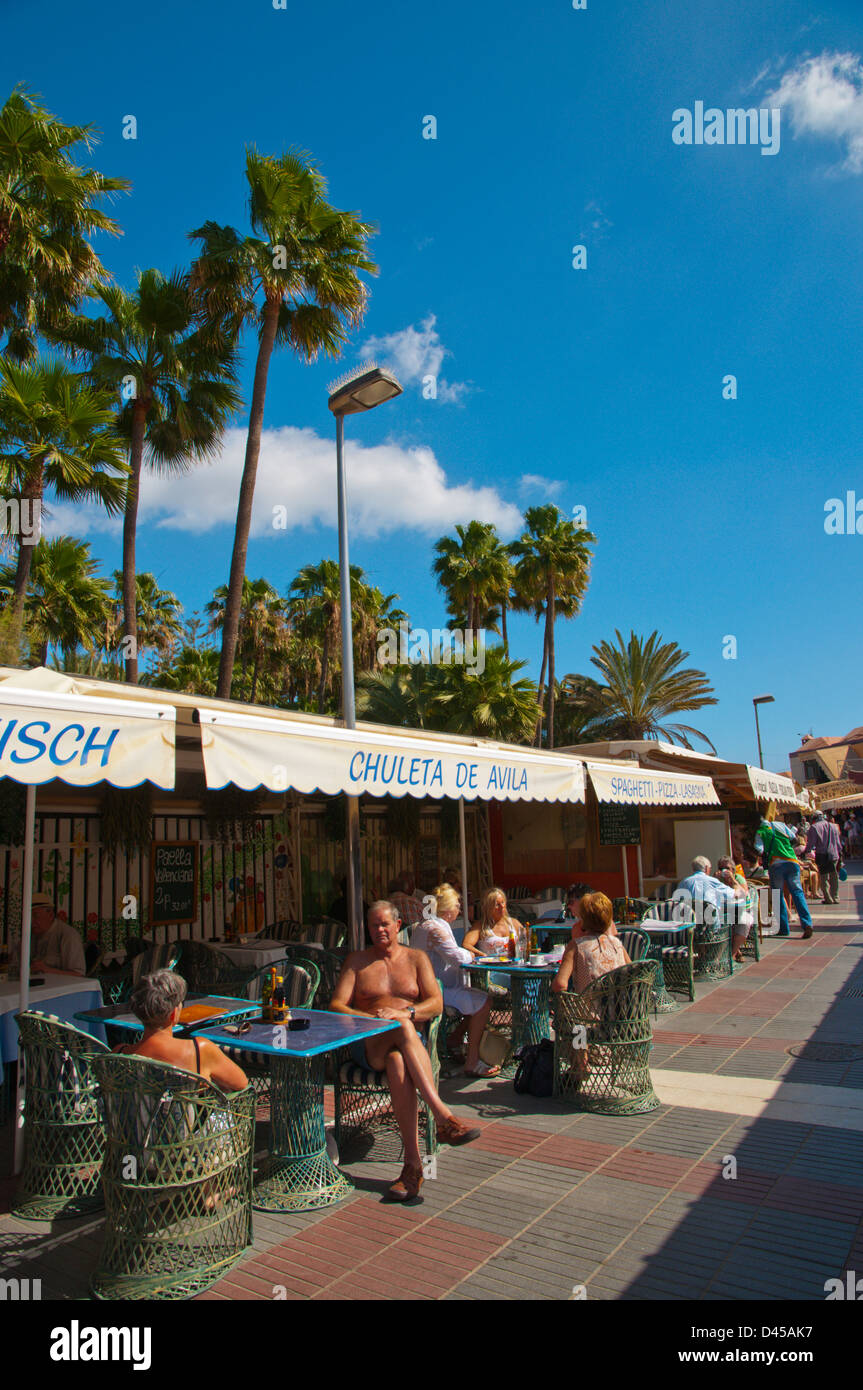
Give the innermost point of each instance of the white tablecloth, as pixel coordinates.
(62, 995)
(259, 953)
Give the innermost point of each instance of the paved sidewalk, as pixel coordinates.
(547, 1204)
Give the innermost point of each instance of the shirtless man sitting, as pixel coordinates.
(392, 981)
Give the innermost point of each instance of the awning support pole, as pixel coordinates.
(640, 872)
(24, 990)
(352, 816)
(463, 843)
(625, 871)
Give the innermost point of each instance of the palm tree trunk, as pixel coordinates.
(130, 528)
(549, 638)
(231, 625)
(503, 631)
(31, 493)
(540, 694)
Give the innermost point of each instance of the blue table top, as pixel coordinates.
(119, 1016)
(508, 967)
(328, 1032)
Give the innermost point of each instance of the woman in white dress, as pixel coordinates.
(434, 935)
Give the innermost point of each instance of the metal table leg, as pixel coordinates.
(662, 1000)
(299, 1174)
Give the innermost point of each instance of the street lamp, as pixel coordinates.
(357, 391)
(760, 700)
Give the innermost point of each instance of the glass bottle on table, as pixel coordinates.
(512, 943)
(267, 992)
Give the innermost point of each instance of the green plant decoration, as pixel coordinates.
(12, 801)
(231, 813)
(402, 820)
(126, 818)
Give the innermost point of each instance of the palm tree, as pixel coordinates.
(67, 605)
(48, 209)
(315, 607)
(296, 278)
(158, 615)
(490, 703)
(643, 686)
(552, 561)
(473, 571)
(178, 390)
(262, 631)
(406, 696)
(195, 671)
(55, 432)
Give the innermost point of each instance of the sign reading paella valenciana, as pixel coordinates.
(253, 751)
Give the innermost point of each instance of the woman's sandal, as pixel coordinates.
(482, 1069)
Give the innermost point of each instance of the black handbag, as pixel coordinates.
(535, 1073)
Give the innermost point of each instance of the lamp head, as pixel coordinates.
(362, 390)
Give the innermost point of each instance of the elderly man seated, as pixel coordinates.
(55, 945)
(700, 888)
(391, 981)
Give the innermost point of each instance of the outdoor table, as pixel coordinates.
(120, 1015)
(529, 990)
(245, 953)
(654, 928)
(299, 1174)
(61, 995)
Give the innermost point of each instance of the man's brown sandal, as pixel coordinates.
(456, 1132)
(407, 1184)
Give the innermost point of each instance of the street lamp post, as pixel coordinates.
(358, 391)
(760, 700)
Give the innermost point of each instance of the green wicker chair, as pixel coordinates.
(300, 978)
(752, 945)
(363, 1108)
(635, 943)
(207, 970)
(712, 945)
(63, 1137)
(177, 1178)
(675, 951)
(118, 983)
(611, 1076)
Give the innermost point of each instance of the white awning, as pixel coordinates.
(83, 739)
(771, 786)
(630, 785)
(841, 803)
(256, 750)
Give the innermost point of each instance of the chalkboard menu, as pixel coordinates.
(173, 882)
(618, 825)
(428, 862)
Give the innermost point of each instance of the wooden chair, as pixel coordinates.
(177, 1179)
(602, 1043)
(63, 1137)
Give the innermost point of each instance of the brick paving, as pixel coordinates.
(548, 1201)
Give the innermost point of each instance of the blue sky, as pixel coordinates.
(600, 387)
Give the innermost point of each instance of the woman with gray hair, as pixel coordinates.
(158, 1001)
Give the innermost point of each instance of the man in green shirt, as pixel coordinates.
(776, 840)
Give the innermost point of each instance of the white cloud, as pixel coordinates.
(414, 353)
(532, 483)
(824, 97)
(392, 489)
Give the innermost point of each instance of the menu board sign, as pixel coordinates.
(618, 824)
(173, 882)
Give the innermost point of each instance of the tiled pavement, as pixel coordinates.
(546, 1201)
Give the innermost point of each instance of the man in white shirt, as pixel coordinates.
(55, 945)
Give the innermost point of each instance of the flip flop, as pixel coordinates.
(482, 1069)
